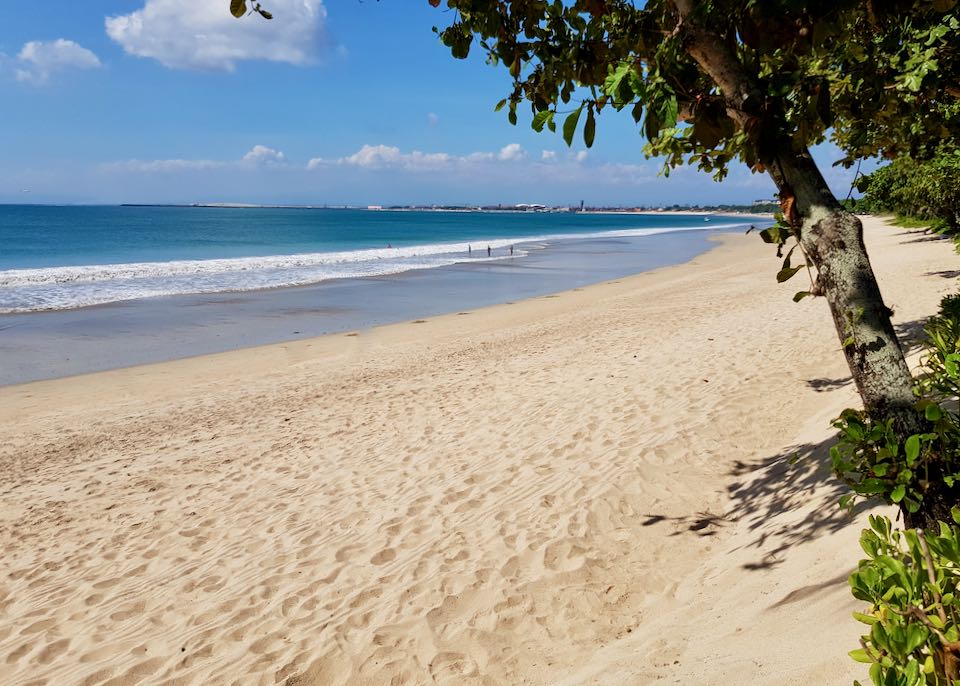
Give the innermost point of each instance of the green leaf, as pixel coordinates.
(500, 105)
(589, 128)
(896, 495)
(916, 635)
(933, 412)
(787, 273)
(800, 295)
(912, 448)
(872, 486)
(651, 125)
(669, 113)
(861, 655)
(570, 125)
(617, 84)
(238, 8)
(540, 119)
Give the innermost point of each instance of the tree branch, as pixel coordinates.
(713, 54)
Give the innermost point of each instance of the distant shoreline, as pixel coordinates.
(696, 211)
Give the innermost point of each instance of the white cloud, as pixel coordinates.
(548, 155)
(433, 118)
(388, 156)
(259, 155)
(479, 157)
(202, 34)
(380, 156)
(162, 166)
(373, 156)
(39, 59)
(581, 156)
(511, 152)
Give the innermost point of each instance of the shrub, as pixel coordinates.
(870, 457)
(910, 580)
(910, 577)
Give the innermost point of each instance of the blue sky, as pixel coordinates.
(333, 102)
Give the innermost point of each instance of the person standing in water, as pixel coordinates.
(488, 251)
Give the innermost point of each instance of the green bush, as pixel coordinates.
(910, 577)
(875, 462)
(910, 580)
(917, 191)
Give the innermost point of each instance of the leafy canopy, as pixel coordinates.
(875, 76)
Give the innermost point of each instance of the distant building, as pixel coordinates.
(374, 207)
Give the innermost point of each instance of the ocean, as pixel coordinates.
(56, 258)
(86, 289)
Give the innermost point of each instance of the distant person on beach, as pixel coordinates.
(469, 249)
(488, 251)
(511, 251)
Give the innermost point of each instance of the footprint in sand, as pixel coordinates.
(52, 651)
(384, 556)
(450, 667)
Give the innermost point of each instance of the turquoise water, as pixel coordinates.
(54, 258)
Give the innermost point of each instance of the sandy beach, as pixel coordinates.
(588, 488)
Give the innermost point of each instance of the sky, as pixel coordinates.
(333, 102)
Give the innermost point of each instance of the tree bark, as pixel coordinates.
(833, 240)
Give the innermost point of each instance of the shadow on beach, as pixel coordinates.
(764, 489)
(768, 487)
(781, 483)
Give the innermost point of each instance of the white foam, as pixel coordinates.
(25, 290)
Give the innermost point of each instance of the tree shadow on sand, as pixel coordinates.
(922, 236)
(911, 334)
(770, 486)
(763, 489)
(946, 273)
(911, 337)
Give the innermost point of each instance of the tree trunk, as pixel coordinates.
(833, 239)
